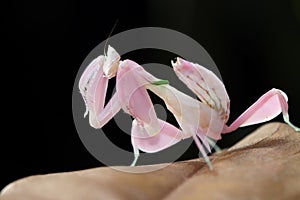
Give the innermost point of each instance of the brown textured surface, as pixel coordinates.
(265, 165)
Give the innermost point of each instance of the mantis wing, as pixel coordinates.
(205, 84)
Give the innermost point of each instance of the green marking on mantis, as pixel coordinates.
(160, 82)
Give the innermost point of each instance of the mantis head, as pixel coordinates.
(111, 63)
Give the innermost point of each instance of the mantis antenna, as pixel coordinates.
(113, 28)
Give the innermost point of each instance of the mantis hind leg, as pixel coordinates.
(202, 152)
(286, 119)
(264, 109)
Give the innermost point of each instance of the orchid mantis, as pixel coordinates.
(201, 120)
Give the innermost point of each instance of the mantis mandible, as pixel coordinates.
(200, 120)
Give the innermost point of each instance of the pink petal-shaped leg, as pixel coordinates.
(134, 97)
(168, 136)
(141, 139)
(264, 109)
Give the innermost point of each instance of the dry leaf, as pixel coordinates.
(265, 165)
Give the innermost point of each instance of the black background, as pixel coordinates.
(254, 43)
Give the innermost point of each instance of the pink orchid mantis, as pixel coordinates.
(196, 119)
(149, 133)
